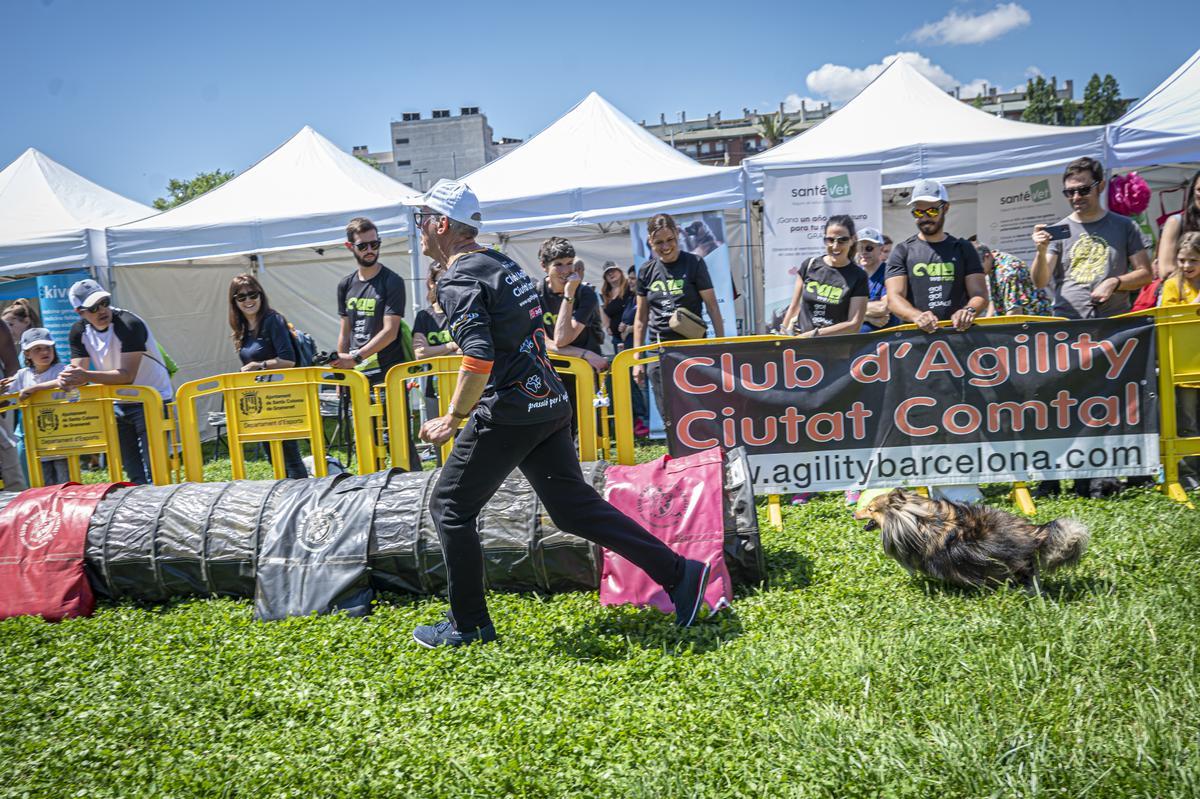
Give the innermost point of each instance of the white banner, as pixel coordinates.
(954, 464)
(796, 207)
(1007, 210)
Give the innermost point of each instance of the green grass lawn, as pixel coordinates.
(845, 678)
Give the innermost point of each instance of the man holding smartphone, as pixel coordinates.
(1100, 262)
(1095, 265)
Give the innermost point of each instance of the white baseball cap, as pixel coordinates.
(36, 337)
(86, 293)
(451, 198)
(870, 234)
(928, 191)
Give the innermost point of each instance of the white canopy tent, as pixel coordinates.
(1164, 127)
(908, 128)
(300, 195)
(593, 165)
(284, 218)
(52, 219)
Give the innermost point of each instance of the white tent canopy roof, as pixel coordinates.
(906, 126)
(49, 216)
(594, 164)
(1164, 127)
(301, 195)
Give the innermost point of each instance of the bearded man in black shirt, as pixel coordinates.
(934, 276)
(517, 417)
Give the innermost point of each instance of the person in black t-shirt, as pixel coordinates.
(934, 276)
(674, 279)
(517, 416)
(830, 297)
(263, 341)
(615, 296)
(570, 307)
(371, 303)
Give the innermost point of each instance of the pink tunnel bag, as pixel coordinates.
(679, 500)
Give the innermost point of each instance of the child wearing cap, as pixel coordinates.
(40, 373)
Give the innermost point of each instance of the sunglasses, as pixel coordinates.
(246, 295)
(421, 216)
(836, 239)
(363, 246)
(1082, 191)
(104, 303)
(932, 213)
(868, 247)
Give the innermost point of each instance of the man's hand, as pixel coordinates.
(440, 430)
(963, 318)
(572, 286)
(597, 362)
(1041, 238)
(72, 377)
(639, 374)
(343, 361)
(1104, 290)
(622, 330)
(927, 321)
(254, 366)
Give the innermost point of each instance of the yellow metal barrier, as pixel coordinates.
(274, 406)
(82, 421)
(445, 369)
(1178, 330)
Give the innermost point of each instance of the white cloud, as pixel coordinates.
(956, 28)
(1032, 72)
(791, 103)
(973, 89)
(839, 83)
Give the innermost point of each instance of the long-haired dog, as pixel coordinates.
(972, 546)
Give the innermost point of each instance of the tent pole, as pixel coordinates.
(748, 273)
(414, 260)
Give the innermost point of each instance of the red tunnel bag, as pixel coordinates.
(42, 537)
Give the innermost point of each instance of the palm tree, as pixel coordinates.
(776, 127)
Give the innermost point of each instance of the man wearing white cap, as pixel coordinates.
(934, 276)
(123, 351)
(517, 416)
(870, 258)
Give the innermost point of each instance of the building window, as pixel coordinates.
(401, 141)
(403, 163)
(411, 116)
(441, 113)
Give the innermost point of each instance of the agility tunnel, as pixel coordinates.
(304, 546)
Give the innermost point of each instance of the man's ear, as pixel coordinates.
(350, 246)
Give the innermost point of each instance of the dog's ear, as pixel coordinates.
(897, 495)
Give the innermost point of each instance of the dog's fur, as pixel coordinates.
(972, 546)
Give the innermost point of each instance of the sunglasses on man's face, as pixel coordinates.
(1082, 191)
(104, 303)
(868, 247)
(932, 213)
(836, 239)
(363, 246)
(246, 295)
(422, 216)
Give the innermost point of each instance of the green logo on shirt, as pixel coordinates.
(363, 304)
(936, 271)
(672, 286)
(825, 291)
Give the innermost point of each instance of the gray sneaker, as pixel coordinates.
(443, 633)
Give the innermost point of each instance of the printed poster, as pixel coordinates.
(1007, 210)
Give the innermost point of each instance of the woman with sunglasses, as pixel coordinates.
(831, 291)
(263, 341)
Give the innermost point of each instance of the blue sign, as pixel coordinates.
(57, 314)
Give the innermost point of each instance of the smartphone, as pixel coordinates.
(1058, 232)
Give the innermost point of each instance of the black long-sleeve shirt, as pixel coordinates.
(494, 314)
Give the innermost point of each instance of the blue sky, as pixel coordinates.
(131, 93)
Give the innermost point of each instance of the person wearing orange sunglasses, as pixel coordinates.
(934, 277)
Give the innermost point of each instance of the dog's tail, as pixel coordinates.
(1063, 543)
